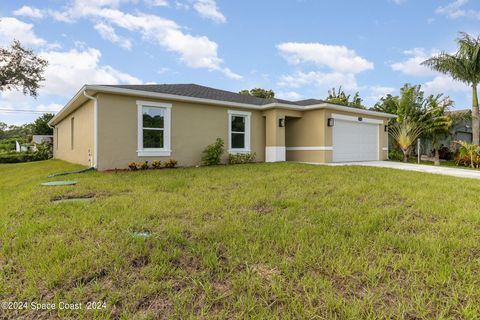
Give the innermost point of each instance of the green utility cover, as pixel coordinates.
(59, 183)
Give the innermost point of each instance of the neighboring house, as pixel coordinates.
(461, 131)
(108, 126)
(38, 139)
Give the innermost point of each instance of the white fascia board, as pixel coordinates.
(350, 109)
(68, 105)
(98, 88)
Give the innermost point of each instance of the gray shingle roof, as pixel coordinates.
(197, 91)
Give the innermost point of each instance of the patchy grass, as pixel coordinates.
(258, 241)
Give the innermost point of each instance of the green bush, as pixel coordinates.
(395, 155)
(240, 158)
(144, 165)
(213, 153)
(44, 151)
(15, 157)
(172, 163)
(9, 143)
(156, 164)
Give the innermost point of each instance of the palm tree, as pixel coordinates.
(438, 121)
(405, 134)
(463, 66)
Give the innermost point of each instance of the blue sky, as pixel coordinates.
(298, 48)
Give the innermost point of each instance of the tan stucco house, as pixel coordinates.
(108, 126)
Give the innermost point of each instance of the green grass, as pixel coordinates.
(443, 163)
(255, 241)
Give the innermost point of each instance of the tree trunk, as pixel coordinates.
(405, 155)
(436, 161)
(475, 118)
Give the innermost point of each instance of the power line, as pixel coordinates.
(23, 111)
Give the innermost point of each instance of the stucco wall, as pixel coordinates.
(83, 144)
(383, 154)
(193, 127)
(312, 131)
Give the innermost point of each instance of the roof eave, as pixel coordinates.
(94, 89)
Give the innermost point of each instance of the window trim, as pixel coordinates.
(247, 115)
(154, 152)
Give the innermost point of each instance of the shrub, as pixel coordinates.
(15, 157)
(213, 153)
(156, 164)
(469, 154)
(144, 165)
(44, 151)
(445, 153)
(240, 158)
(133, 166)
(172, 163)
(395, 155)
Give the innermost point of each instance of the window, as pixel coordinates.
(239, 131)
(72, 130)
(56, 137)
(153, 128)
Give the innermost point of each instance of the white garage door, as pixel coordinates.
(355, 141)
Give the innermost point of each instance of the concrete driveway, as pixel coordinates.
(454, 172)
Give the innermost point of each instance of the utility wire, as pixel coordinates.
(23, 111)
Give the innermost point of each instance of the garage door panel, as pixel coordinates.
(355, 141)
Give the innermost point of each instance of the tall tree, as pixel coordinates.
(21, 69)
(259, 93)
(409, 106)
(463, 66)
(438, 121)
(40, 125)
(340, 97)
(411, 109)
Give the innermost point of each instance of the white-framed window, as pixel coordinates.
(153, 129)
(238, 131)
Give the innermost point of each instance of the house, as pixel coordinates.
(460, 131)
(108, 126)
(42, 138)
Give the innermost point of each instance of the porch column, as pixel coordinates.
(275, 136)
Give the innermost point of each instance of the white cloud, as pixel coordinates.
(12, 28)
(107, 32)
(319, 79)
(209, 9)
(288, 95)
(398, 2)
(68, 70)
(412, 66)
(337, 58)
(30, 12)
(444, 84)
(157, 3)
(455, 9)
(375, 93)
(194, 51)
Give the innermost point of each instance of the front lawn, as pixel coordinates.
(443, 163)
(258, 241)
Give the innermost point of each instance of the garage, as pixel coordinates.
(355, 139)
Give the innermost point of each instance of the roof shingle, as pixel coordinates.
(197, 91)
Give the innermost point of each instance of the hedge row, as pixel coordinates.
(21, 157)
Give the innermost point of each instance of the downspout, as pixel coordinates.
(95, 128)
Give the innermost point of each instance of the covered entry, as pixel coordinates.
(355, 139)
